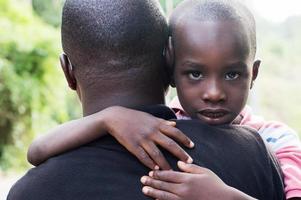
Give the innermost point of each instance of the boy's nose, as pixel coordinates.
(214, 93)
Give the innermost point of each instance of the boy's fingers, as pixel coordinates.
(158, 184)
(173, 148)
(176, 134)
(156, 155)
(168, 176)
(191, 168)
(159, 194)
(144, 157)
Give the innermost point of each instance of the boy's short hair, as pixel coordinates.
(108, 37)
(216, 10)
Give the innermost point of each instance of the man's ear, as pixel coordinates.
(68, 71)
(255, 71)
(170, 57)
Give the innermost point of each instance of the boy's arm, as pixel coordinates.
(290, 160)
(140, 136)
(65, 137)
(286, 145)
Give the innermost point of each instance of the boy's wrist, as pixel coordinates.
(105, 118)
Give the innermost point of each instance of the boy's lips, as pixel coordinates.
(213, 113)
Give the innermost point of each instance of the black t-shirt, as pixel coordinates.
(105, 170)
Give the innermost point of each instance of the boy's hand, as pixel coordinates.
(140, 133)
(193, 184)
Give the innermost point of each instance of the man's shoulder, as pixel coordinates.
(200, 129)
(238, 151)
(89, 172)
(158, 110)
(226, 140)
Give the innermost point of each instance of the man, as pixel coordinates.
(114, 57)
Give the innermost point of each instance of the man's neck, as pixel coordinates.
(94, 104)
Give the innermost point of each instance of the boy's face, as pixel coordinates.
(213, 70)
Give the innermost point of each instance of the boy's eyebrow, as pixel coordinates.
(193, 64)
(238, 64)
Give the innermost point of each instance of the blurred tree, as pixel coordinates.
(49, 10)
(32, 92)
(168, 5)
(279, 86)
(33, 96)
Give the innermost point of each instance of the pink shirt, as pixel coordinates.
(282, 140)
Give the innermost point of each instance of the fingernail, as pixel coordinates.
(181, 163)
(143, 179)
(156, 167)
(189, 160)
(171, 123)
(145, 190)
(191, 144)
(151, 174)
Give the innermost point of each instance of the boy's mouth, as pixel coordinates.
(213, 114)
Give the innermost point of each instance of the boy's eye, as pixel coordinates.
(195, 75)
(232, 76)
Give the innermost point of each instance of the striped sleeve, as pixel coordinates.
(285, 143)
(290, 159)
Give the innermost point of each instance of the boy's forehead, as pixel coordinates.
(215, 10)
(213, 33)
(214, 27)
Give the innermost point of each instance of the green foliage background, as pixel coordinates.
(278, 89)
(34, 96)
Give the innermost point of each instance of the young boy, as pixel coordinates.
(211, 53)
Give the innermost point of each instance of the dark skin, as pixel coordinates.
(93, 126)
(142, 141)
(193, 183)
(213, 74)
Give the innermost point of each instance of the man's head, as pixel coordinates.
(212, 50)
(113, 51)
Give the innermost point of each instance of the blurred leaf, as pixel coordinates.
(33, 94)
(49, 10)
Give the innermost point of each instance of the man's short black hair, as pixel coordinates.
(216, 10)
(106, 38)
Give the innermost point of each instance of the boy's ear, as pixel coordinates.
(68, 71)
(170, 57)
(255, 71)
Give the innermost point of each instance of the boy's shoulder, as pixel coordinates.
(277, 134)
